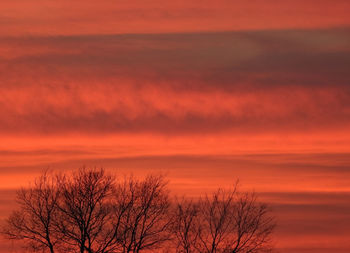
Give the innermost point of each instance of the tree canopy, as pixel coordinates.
(92, 211)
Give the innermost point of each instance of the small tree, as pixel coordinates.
(144, 223)
(34, 221)
(84, 209)
(252, 227)
(226, 221)
(186, 226)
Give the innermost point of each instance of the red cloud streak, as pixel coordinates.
(105, 17)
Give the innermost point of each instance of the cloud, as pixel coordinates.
(174, 84)
(231, 58)
(65, 17)
(196, 172)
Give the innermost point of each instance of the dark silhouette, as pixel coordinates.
(33, 222)
(91, 211)
(226, 221)
(84, 210)
(186, 226)
(145, 222)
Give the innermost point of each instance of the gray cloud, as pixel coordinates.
(318, 57)
(292, 80)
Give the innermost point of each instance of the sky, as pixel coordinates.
(206, 92)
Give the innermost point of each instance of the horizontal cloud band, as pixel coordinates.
(263, 81)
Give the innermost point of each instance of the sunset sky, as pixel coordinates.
(206, 92)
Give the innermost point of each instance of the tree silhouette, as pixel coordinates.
(185, 226)
(33, 222)
(145, 221)
(226, 221)
(91, 211)
(84, 210)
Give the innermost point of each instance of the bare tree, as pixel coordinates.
(84, 210)
(89, 211)
(226, 221)
(216, 220)
(186, 225)
(252, 226)
(145, 220)
(33, 222)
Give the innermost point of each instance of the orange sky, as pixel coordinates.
(22, 17)
(204, 91)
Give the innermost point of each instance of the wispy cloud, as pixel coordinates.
(65, 17)
(177, 84)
